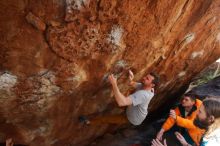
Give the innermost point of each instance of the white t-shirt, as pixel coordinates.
(137, 112)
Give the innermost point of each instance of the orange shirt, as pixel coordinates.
(187, 122)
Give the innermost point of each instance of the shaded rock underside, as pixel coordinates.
(56, 55)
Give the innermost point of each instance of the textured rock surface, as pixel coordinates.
(212, 88)
(54, 65)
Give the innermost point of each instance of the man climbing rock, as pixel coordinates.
(136, 103)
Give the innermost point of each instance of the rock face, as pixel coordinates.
(56, 54)
(210, 89)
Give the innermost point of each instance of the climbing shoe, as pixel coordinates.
(84, 120)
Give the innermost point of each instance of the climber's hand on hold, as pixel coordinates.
(131, 75)
(112, 79)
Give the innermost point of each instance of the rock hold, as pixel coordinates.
(36, 21)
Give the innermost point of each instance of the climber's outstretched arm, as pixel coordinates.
(119, 97)
(131, 80)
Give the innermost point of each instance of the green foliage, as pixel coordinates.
(207, 76)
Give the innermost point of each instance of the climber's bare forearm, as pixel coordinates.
(120, 98)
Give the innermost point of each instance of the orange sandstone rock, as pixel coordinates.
(35, 21)
(50, 77)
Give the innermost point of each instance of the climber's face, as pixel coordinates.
(148, 80)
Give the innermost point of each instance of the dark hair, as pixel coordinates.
(212, 106)
(156, 78)
(191, 96)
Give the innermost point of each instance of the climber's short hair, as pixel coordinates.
(156, 78)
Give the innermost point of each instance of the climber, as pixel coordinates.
(136, 103)
(179, 118)
(207, 118)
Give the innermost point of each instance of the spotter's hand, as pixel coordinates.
(156, 142)
(181, 139)
(9, 142)
(173, 114)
